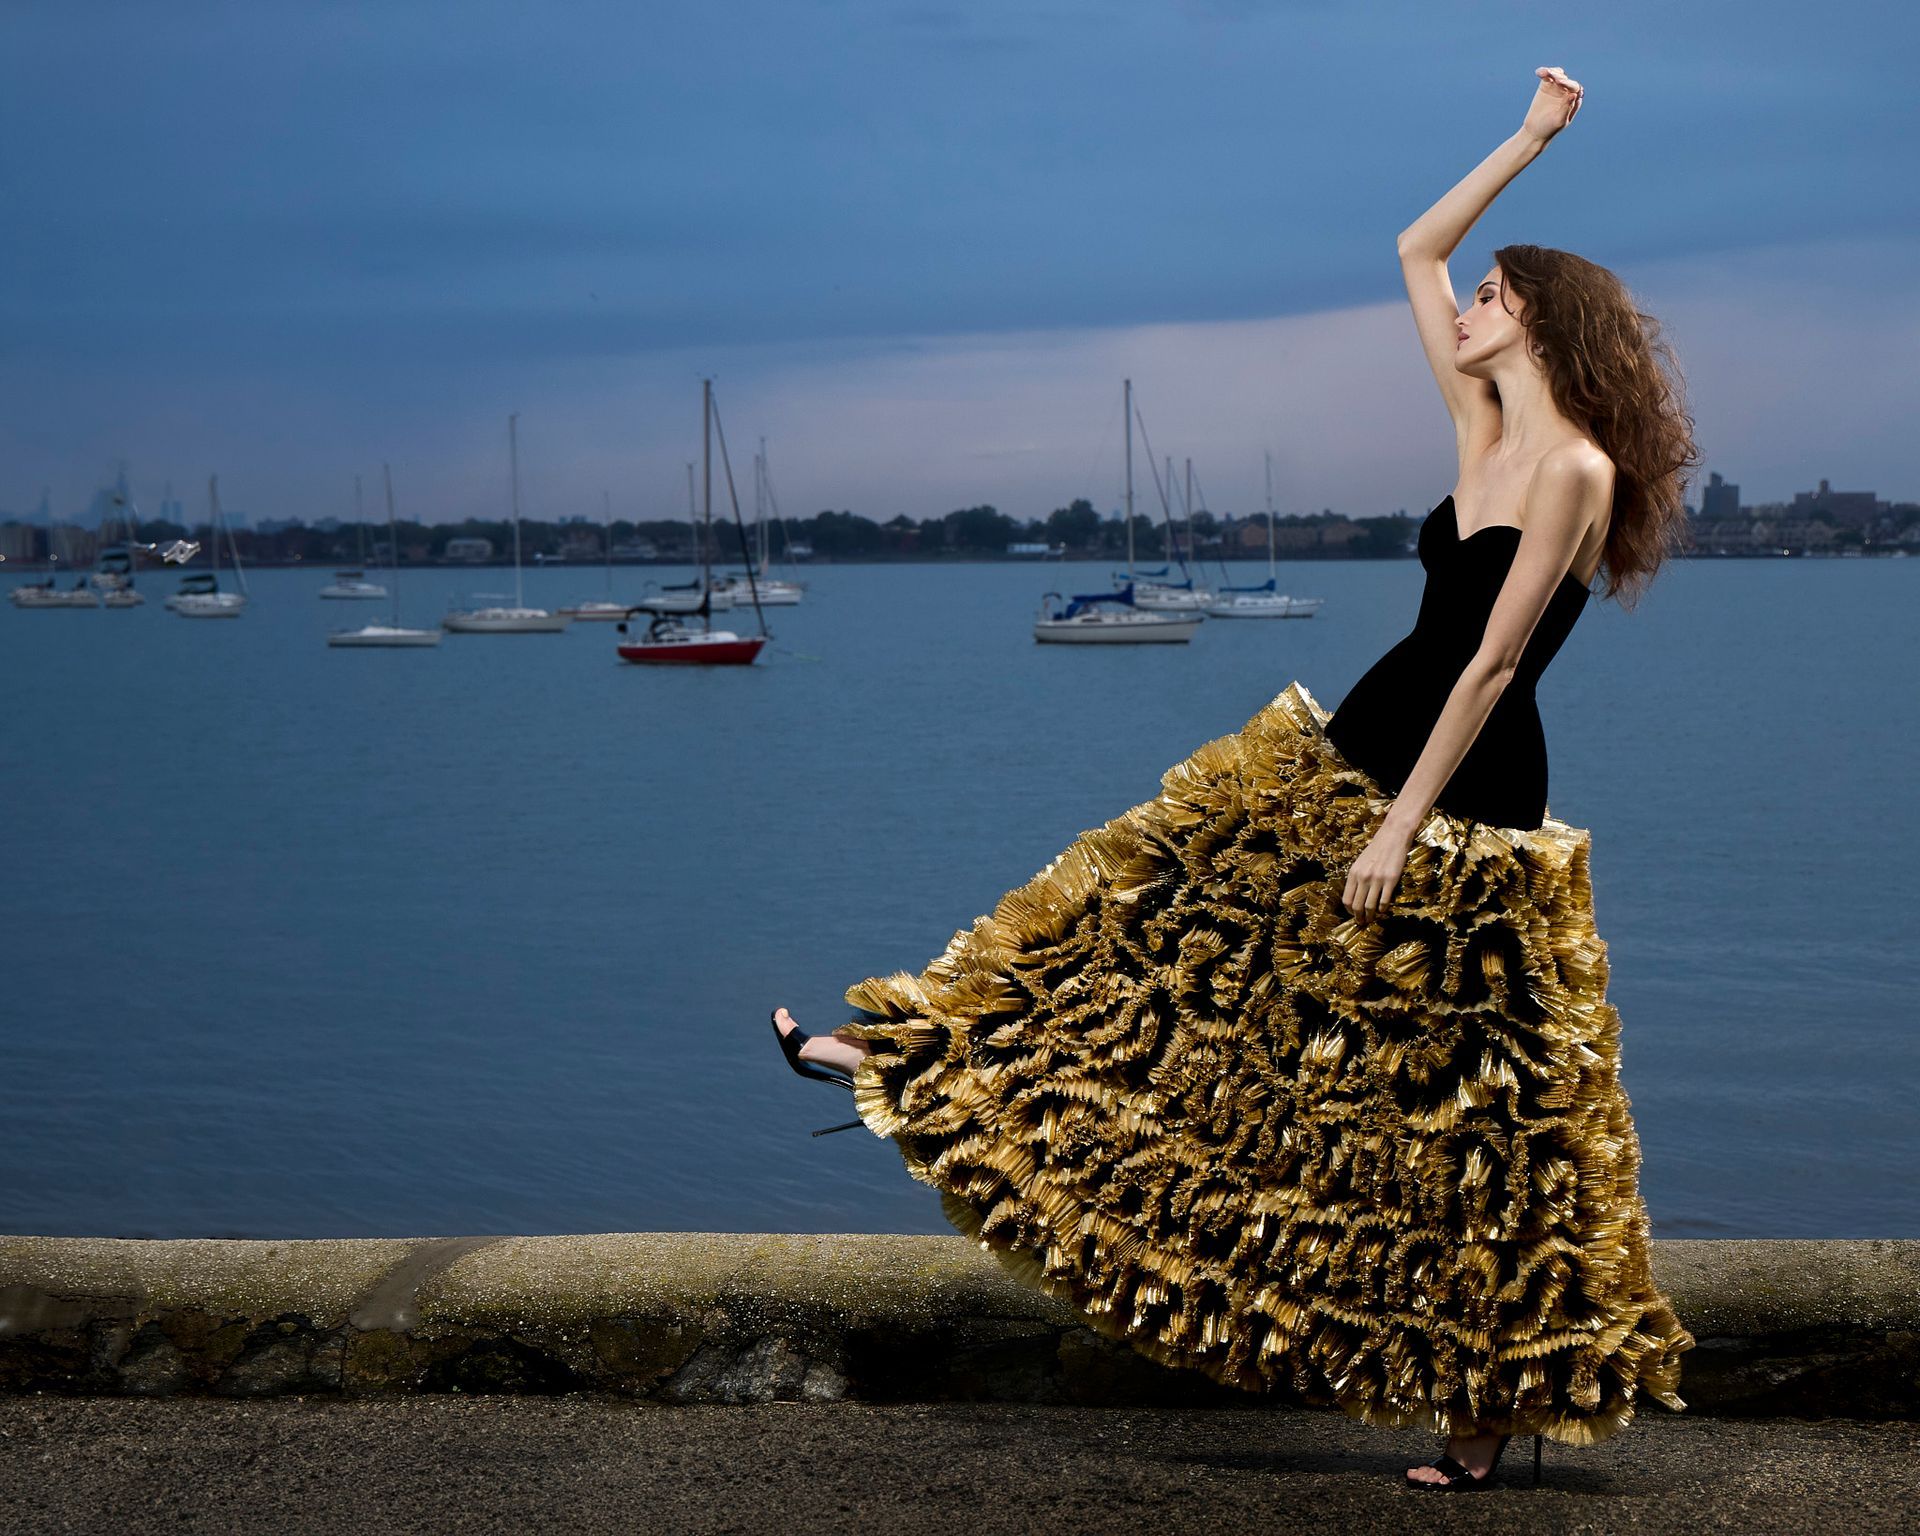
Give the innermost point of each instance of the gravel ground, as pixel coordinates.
(598, 1463)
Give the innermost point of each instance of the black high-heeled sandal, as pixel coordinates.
(790, 1043)
(1458, 1479)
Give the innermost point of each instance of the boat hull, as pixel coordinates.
(39, 597)
(384, 637)
(696, 650)
(483, 623)
(220, 605)
(1139, 632)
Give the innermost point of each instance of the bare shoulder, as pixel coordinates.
(1573, 479)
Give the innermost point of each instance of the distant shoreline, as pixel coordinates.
(8, 567)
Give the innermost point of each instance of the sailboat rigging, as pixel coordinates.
(1157, 589)
(499, 618)
(1109, 618)
(601, 608)
(1265, 601)
(392, 634)
(352, 585)
(671, 640)
(200, 596)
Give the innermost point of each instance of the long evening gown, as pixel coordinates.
(1385, 1166)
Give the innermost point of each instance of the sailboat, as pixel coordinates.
(1103, 618)
(696, 596)
(501, 618)
(1166, 593)
(45, 594)
(113, 566)
(353, 586)
(1265, 601)
(669, 639)
(773, 592)
(200, 596)
(391, 634)
(601, 607)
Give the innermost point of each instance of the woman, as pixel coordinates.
(1302, 1074)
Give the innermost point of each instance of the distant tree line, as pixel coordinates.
(968, 533)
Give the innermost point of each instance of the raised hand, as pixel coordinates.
(1554, 103)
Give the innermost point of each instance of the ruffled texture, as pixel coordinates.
(1386, 1167)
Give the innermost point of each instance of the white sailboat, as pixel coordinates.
(500, 617)
(601, 608)
(200, 596)
(1167, 594)
(353, 586)
(113, 566)
(773, 592)
(1109, 618)
(391, 635)
(1265, 601)
(697, 596)
(47, 594)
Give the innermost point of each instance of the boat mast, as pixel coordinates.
(1127, 406)
(513, 470)
(606, 506)
(360, 522)
(706, 493)
(1166, 507)
(1193, 549)
(1270, 575)
(760, 504)
(234, 549)
(693, 514)
(213, 529)
(393, 535)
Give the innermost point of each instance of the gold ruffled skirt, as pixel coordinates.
(1387, 1167)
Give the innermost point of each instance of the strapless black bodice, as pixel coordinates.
(1383, 723)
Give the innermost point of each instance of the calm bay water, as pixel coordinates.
(305, 943)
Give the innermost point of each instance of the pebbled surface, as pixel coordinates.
(587, 1463)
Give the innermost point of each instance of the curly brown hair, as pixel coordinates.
(1611, 371)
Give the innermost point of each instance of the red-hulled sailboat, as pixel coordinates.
(670, 639)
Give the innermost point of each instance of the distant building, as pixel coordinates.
(1719, 498)
(1846, 506)
(1038, 551)
(470, 551)
(71, 545)
(19, 541)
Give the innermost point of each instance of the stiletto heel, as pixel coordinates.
(1536, 1461)
(790, 1043)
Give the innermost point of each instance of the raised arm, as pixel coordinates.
(1425, 245)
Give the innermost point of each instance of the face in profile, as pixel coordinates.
(1489, 326)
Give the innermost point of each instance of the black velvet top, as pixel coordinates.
(1383, 723)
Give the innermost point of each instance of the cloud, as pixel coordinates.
(1790, 379)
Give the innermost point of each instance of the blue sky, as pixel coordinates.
(918, 245)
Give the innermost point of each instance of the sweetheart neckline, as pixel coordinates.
(1460, 543)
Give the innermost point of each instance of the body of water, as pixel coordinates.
(483, 939)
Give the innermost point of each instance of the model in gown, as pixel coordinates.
(1302, 1074)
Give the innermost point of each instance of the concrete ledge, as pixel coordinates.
(1804, 1328)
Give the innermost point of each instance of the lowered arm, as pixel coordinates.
(1570, 488)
